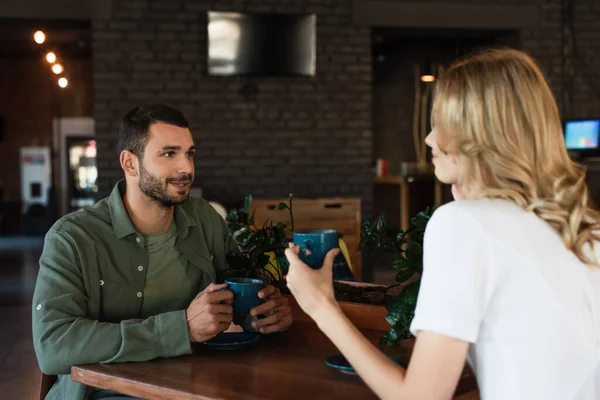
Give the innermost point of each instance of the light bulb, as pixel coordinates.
(39, 37)
(51, 57)
(57, 69)
(63, 82)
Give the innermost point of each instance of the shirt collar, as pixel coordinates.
(121, 223)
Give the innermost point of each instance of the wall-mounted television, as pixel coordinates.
(261, 44)
(582, 136)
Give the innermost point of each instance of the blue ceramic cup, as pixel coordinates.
(245, 293)
(318, 242)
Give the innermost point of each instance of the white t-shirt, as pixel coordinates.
(502, 279)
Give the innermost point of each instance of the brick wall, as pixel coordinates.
(544, 44)
(310, 136)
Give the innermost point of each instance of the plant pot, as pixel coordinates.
(360, 292)
(364, 316)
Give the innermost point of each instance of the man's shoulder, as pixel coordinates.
(84, 221)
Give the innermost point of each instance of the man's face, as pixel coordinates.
(166, 171)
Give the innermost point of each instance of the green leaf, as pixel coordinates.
(243, 237)
(394, 308)
(247, 202)
(280, 231)
(413, 288)
(233, 216)
(410, 300)
(281, 206)
(400, 262)
(380, 223)
(234, 227)
(393, 315)
(251, 219)
(401, 236)
(419, 221)
(391, 336)
(403, 275)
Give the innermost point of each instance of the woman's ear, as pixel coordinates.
(129, 163)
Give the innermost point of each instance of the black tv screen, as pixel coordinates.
(261, 44)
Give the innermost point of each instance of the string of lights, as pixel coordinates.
(51, 57)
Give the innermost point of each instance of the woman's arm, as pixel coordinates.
(437, 360)
(435, 367)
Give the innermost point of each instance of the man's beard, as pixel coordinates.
(158, 191)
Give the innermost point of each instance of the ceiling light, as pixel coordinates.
(57, 69)
(39, 37)
(51, 57)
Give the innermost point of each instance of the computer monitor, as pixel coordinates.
(582, 134)
(582, 137)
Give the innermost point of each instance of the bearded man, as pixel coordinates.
(132, 278)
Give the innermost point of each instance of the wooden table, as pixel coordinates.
(288, 365)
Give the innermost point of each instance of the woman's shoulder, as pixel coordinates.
(491, 217)
(478, 209)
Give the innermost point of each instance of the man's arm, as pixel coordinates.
(63, 333)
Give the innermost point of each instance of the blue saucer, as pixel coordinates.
(340, 363)
(232, 340)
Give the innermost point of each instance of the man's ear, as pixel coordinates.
(129, 163)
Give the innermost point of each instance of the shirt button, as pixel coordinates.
(139, 294)
(212, 257)
(137, 240)
(39, 307)
(101, 283)
(140, 268)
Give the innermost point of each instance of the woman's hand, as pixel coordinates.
(312, 289)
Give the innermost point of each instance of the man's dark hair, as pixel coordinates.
(134, 131)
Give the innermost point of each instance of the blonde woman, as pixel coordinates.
(511, 279)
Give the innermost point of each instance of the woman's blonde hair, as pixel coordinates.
(496, 112)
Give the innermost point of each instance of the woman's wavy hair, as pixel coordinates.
(496, 112)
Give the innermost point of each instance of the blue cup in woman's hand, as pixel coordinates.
(315, 244)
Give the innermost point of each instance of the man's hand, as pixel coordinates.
(276, 310)
(210, 313)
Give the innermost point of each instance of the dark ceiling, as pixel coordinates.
(68, 38)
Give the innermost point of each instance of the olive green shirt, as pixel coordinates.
(171, 282)
(88, 301)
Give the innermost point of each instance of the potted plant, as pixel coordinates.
(406, 248)
(260, 249)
